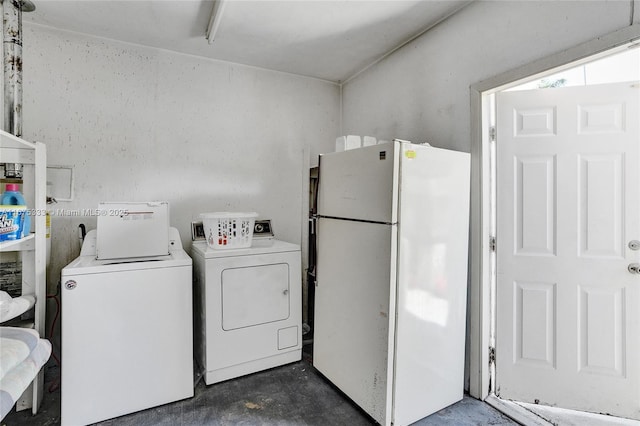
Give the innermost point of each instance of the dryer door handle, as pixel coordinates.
(285, 291)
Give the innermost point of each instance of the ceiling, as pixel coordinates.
(327, 39)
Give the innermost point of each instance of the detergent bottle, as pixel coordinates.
(13, 197)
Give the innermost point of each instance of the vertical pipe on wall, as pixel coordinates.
(12, 54)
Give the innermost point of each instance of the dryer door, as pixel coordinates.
(254, 295)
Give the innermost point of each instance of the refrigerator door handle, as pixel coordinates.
(357, 220)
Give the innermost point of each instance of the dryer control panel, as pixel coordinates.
(262, 228)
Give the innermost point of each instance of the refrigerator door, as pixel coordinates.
(360, 184)
(433, 234)
(355, 311)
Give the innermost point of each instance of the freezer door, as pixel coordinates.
(360, 184)
(433, 235)
(355, 311)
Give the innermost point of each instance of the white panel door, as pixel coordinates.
(568, 308)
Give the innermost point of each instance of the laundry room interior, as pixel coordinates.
(133, 117)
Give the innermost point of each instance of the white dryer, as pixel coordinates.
(248, 308)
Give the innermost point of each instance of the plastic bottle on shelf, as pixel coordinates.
(13, 197)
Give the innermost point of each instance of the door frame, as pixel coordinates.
(480, 308)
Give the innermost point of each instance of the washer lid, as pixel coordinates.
(200, 248)
(90, 265)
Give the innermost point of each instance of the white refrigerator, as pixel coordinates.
(390, 307)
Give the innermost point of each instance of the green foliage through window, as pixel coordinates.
(549, 84)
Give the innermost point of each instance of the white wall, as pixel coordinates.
(139, 124)
(421, 92)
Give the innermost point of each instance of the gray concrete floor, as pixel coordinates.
(294, 394)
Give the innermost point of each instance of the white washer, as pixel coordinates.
(127, 334)
(248, 305)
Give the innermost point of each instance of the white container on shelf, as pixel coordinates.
(353, 142)
(344, 143)
(228, 230)
(12, 219)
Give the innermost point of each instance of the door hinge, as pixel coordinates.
(492, 355)
(492, 133)
(492, 244)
